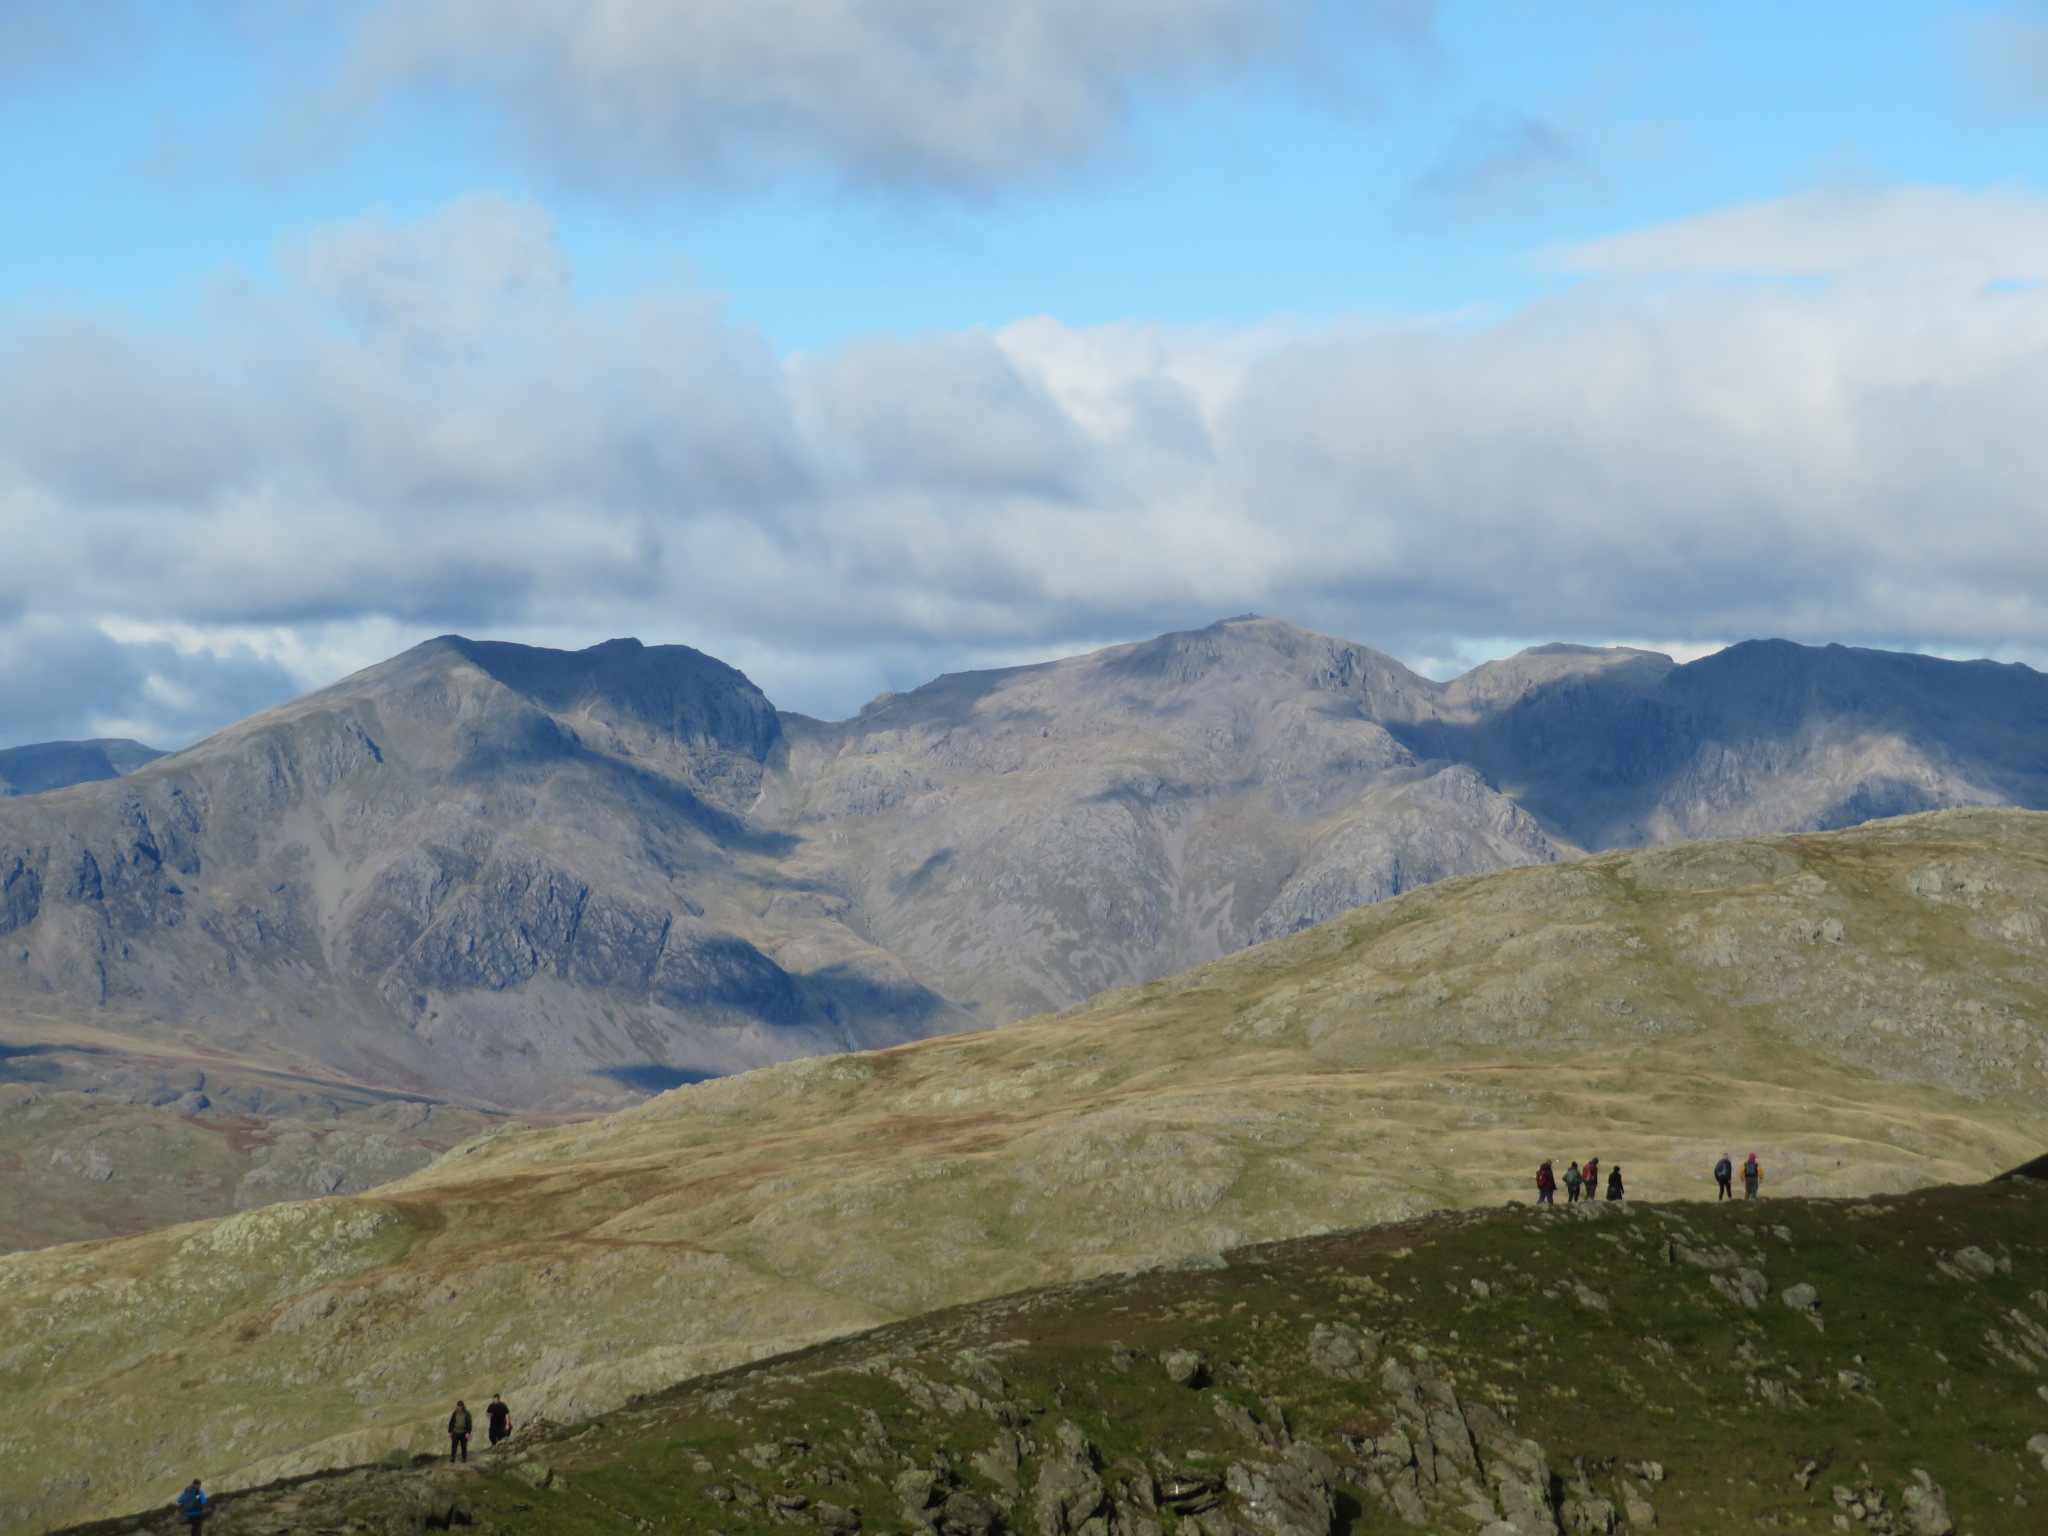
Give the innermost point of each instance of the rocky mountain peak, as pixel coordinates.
(671, 690)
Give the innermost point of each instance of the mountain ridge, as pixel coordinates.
(523, 880)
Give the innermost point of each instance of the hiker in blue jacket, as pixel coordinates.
(192, 1505)
(1724, 1176)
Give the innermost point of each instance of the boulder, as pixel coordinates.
(1185, 1367)
(1342, 1352)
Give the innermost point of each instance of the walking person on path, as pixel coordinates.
(1614, 1189)
(192, 1505)
(458, 1432)
(497, 1418)
(1724, 1176)
(1591, 1173)
(1572, 1182)
(1752, 1175)
(1546, 1185)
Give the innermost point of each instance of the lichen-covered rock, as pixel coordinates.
(1923, 1507)
(1282, 1499)
(1342, 1352)
(1068, 1495)
(1185, 1367)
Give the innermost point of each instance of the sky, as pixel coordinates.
(854, 341)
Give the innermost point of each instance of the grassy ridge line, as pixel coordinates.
(1859, 1006)
(1628, 1366)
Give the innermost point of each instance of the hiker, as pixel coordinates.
(1614, 1189)
(1546, 1185)
(497, 1419)
(1724, 1176)
(1591, 1173)
(458, 1432)
(1572, 1182)
(192, 1505)
(1752, 1175)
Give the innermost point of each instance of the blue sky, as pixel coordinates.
(854, 351)
(1421, 172)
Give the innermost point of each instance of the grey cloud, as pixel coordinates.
(2009, 47)
(39, 34)
(935, 91)
(65, 679)
(1854, 459)
(1502, 162)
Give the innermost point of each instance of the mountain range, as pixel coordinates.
(522, 879)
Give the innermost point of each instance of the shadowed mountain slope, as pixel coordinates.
(1862, 1008)
(1765, 736)
(45, 765)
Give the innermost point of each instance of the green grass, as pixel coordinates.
(1672, 1372)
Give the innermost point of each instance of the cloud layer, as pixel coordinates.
(936, 91)
(424, 430)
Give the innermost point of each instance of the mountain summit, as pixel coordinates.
(524, 878)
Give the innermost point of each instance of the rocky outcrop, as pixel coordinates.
(1447, 1460)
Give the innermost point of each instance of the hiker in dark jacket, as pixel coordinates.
(458, 1432)
(497, 1418)
(1546, 1185)
(1614, 1189)
(1724, 1176)
(1592, 1176)
(1752, 1175)
(1572, 1182)
(192, 1505)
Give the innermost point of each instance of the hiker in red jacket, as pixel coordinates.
(1546, 1185)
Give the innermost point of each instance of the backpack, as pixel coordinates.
(1723, 1169)
(191, 1501)
(1752, 1169)
(1571, 1175)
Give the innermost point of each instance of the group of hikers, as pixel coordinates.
(1584, 1182)
(195, 1506)
(497, 1417)
(1577, 1181)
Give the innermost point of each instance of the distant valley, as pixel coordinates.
(513, 880)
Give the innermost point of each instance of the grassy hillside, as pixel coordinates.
(1861, 1007)
(1797, 1365)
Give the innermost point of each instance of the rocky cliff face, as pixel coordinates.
(476, 871)
(1026, 838)
(516, 877)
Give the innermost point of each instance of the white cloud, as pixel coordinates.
(2002, 233)
(934, 91)
(425, 431)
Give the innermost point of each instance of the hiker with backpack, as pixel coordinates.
(1572, 1182)
(1752, 1175)
(192, 1505)
(1614, 1189)
(1546, 1185)
(1724, 1177)
(1591, 1174)
(459, 1425)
